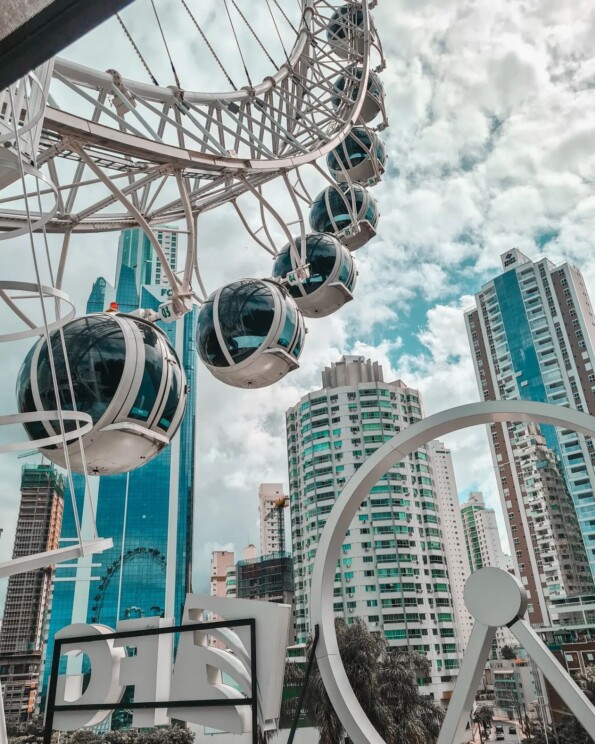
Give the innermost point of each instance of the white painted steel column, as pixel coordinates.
(3, 734)
(349, 711)
(556, 675)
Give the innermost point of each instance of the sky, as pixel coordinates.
(491, 145)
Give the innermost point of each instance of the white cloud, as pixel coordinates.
(492, 109)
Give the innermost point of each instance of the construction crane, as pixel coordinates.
(277, 509)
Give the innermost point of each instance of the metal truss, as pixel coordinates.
(139, 154)
(217, 142)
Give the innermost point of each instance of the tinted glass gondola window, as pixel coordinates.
(246, 314)
(173, 397)
(152, 374)
(96, 351)
(209, 348)
(289, 326)
(35, 430)
(322, 256)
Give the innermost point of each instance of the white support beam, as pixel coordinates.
(50, 557)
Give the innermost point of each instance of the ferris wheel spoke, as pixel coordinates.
(209, 46)
(137, 154)
(98, 106)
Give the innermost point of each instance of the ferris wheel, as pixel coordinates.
(92, 151)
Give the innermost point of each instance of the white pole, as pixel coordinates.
(3, 734)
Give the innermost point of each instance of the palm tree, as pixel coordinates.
(483, 717)
(569, 730)
(384, 680)
(587, 683)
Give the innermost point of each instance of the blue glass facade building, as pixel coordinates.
(532, 335)
(148, 512)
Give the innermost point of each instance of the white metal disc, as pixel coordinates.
(494, 597)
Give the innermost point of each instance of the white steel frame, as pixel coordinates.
(164, 155)
(492, 600)
(167, 155)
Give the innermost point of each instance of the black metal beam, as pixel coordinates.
(48, 32)
(304, 689)
(252, 701)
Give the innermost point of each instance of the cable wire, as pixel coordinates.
(46, 330)
(278, 32)
(262, 46)
(206, 41)
(87, 493)
(137, 50)
(233, 30)
(285, 16)
(171, 62)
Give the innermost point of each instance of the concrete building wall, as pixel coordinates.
(268, 494)
(454, 540)
(515, 689)
(28, 597)
(531, 335)
(393, 571)
(221, 560)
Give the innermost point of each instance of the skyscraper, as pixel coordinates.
(484, 549)
(29, 594)
(148, 512)
(480, 530)
(136, 252)
(452, 533)
(268, 578)
(268, 495)
(532, 335)
(221, 560)
(392, 571)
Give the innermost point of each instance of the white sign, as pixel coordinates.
(197, 673)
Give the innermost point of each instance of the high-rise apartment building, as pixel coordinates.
(269, 495)
(249, 552)
(484, 549)
(455, 549)
(28, 597)
(551, 518)
(148, 512)
(230, 582)
(516, 687)
(532, 335)
(268, 578)
(393, 571)
(221, 561)
(136, 253)
(481, 534)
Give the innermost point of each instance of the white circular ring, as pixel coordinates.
(46, 291)
(38, 416)
(31, 120)
(350, 713)
(505, 601)
(44, 217)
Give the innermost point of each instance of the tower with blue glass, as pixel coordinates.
(147, 512)
(532, 336)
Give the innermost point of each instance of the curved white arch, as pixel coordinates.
(344, 701)
(68, 125)
(93, 77)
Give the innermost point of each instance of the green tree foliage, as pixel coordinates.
(32, 733)
(569, 730)
(484, 717)
(384, 680)
(507, 652)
